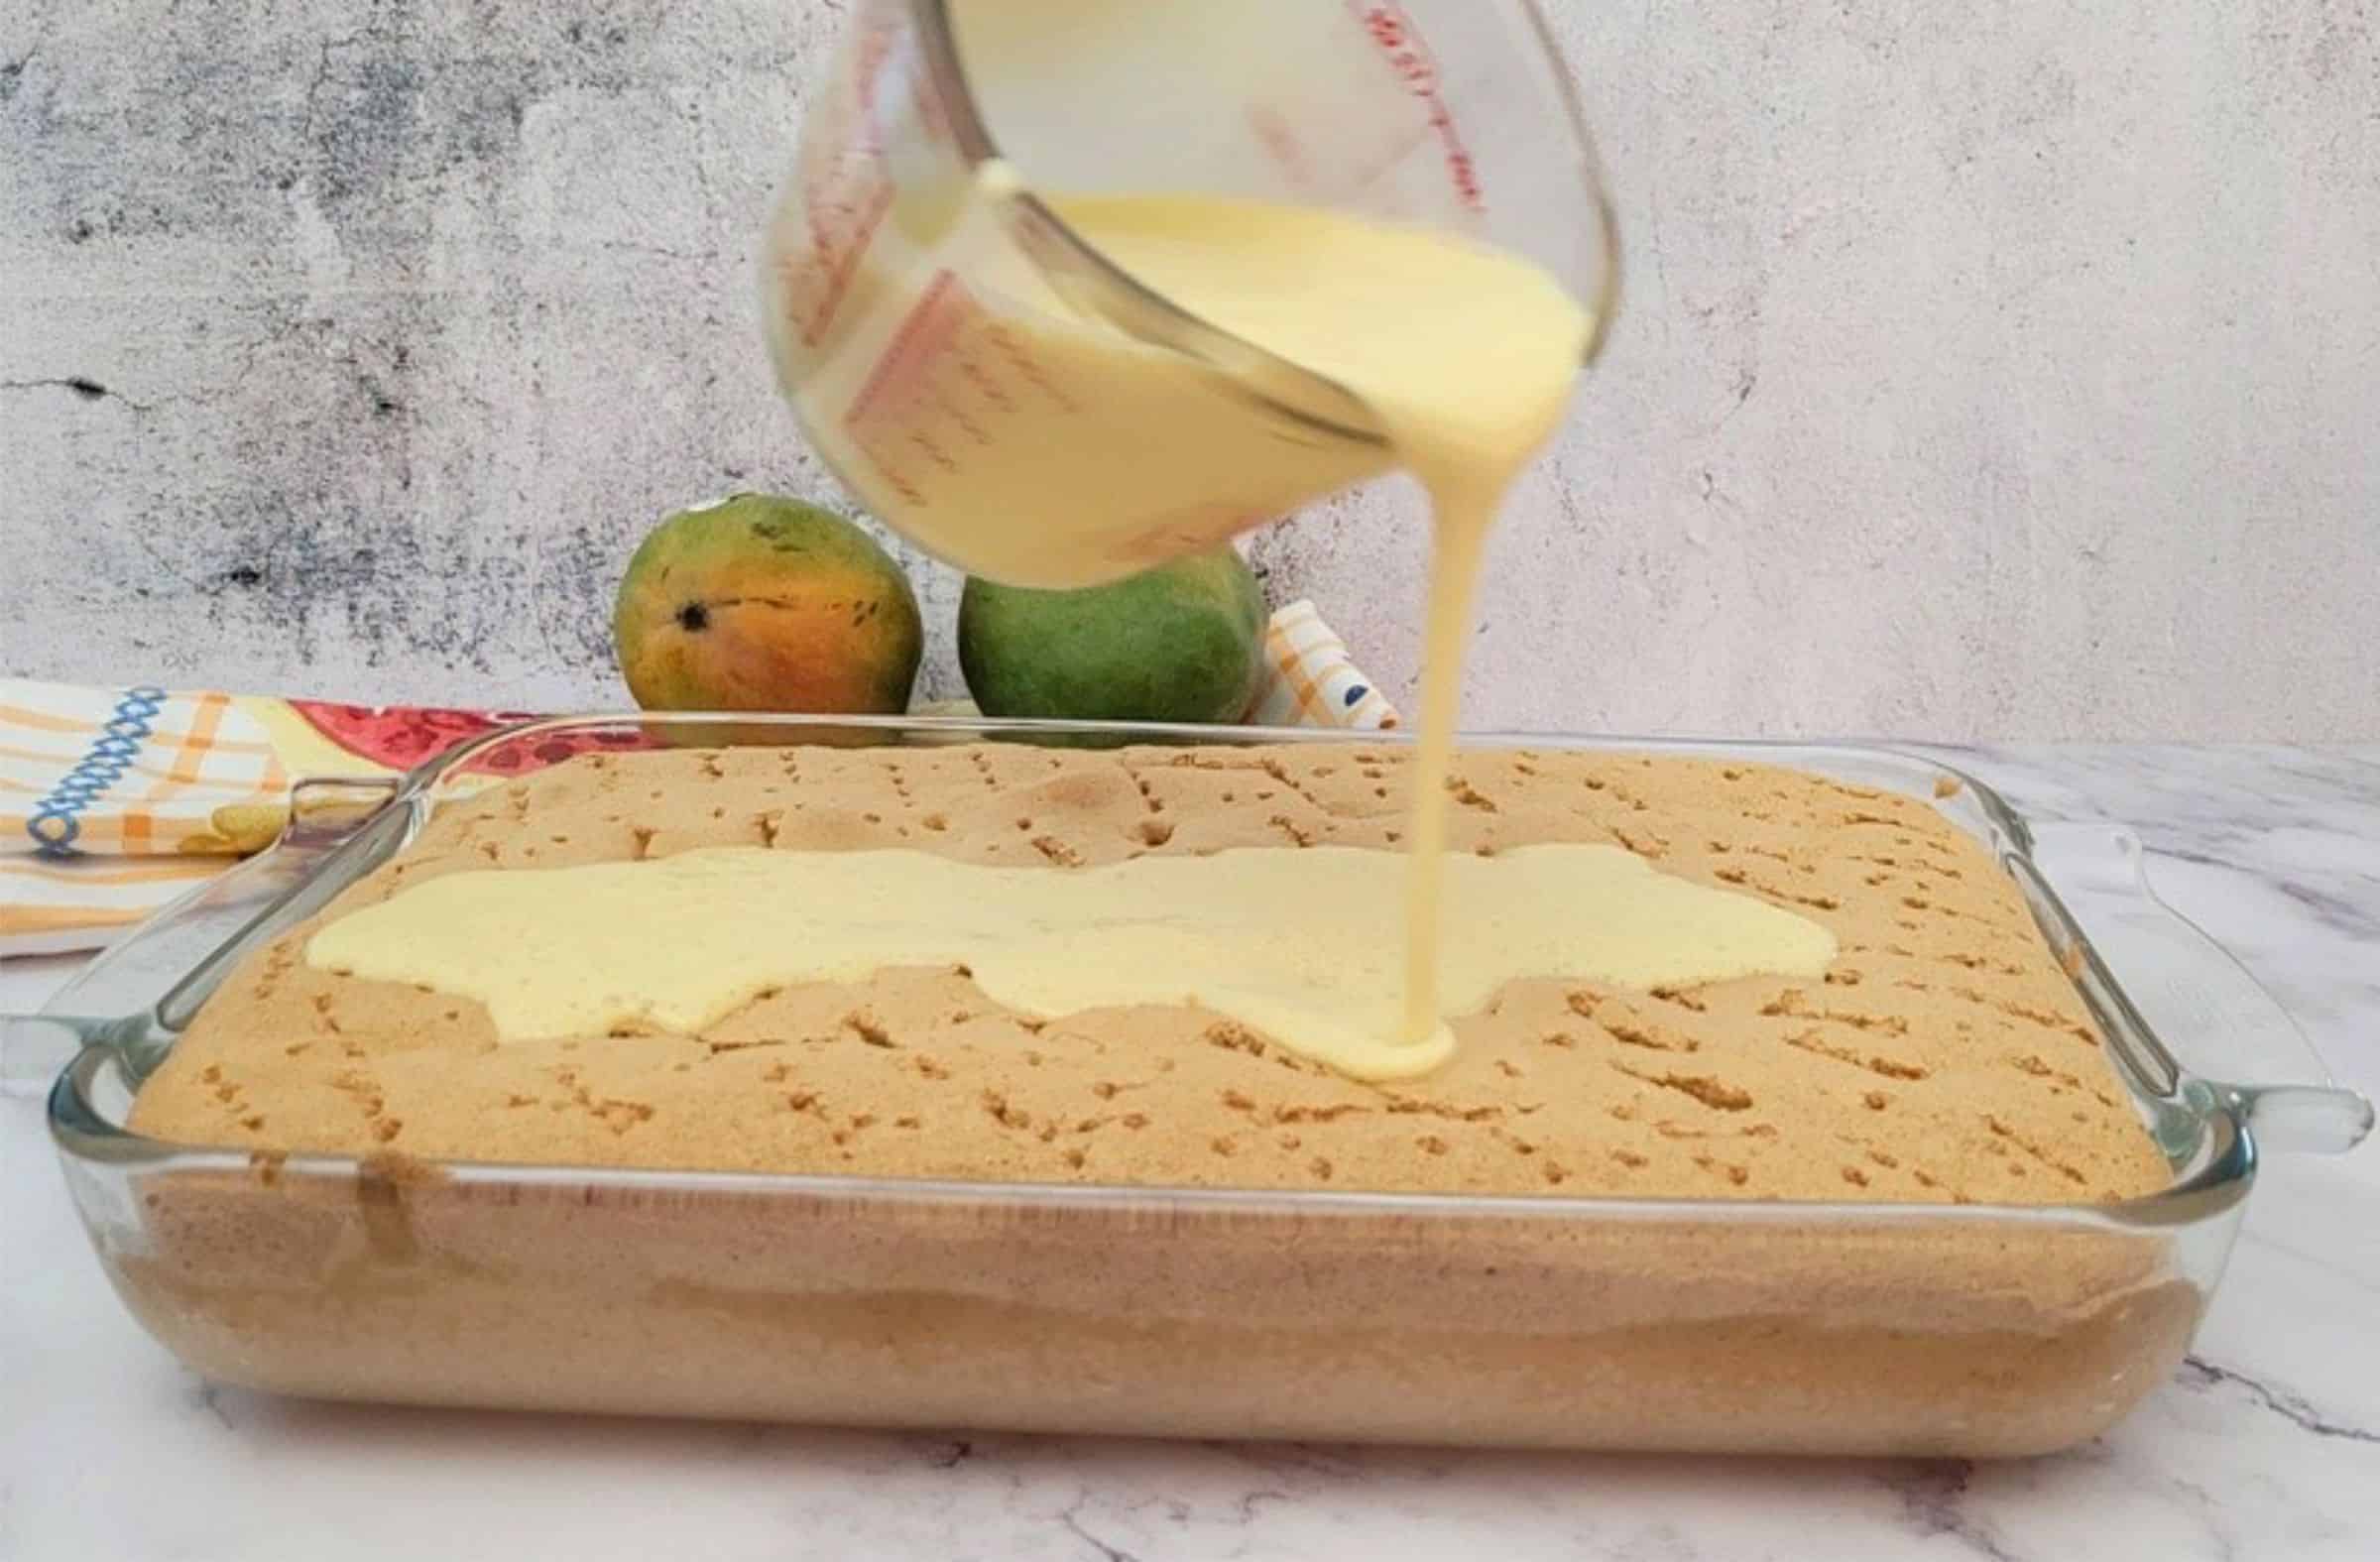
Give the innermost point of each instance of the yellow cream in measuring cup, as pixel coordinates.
(1037, 417)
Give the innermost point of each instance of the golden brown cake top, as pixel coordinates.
(1944, 1055)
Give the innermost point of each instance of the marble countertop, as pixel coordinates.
(2266, 1444)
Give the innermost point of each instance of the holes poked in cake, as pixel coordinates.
(997, 1106)
(1232, 1037)
(1735, 1174)
(2034, 1064)
(1618, 1018)
(2005, 1134)
(1793, 1003)
(1645, 843)
(1814, 1041)
(720, 827)
(1327, 1113)
(361, 1090)
(1709, 1089)
(1769, 889)
(2032, 1014)
(225, 1091)
(278, 961)
(1297, 833)
(1298, 776)
(1452, 1111)
(1465, 795)
(1003, 767)
(1058, 853)
(1192, 793)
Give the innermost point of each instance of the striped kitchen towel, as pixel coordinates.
(115, 801)
(1313, 681)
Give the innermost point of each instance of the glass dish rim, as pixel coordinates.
(87, 1137)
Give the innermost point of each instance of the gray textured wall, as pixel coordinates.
(2005, 370)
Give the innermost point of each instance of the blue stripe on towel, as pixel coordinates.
(55, 824)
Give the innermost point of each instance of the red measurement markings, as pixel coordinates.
(928, 446)
(1401, 45)
(1281, 143)
(845, 191)
(975, 375)
(1019, 356)
(976, 433)
(871, 45)
(882, 418)
(843, 211)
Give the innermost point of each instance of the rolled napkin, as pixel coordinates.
(114, 801)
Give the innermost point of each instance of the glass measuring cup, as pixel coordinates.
(950, 345)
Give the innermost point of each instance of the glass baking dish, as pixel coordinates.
(1682, 1324)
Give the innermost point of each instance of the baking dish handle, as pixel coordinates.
(113, 1000)
(2195, 997)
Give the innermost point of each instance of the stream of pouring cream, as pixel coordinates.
(1465, 354)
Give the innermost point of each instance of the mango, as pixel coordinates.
(1181, 642)
(767, 604)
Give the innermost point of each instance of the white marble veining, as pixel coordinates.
(2266, 1444)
